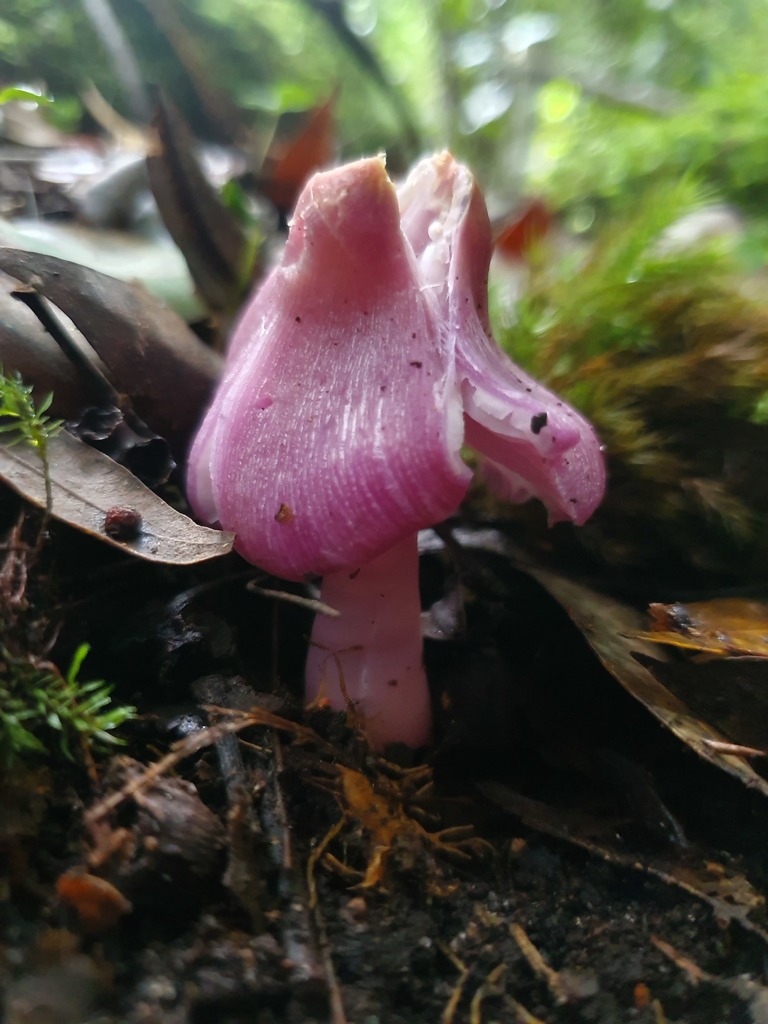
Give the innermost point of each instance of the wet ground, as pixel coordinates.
(271, 869)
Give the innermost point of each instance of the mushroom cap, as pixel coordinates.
(336, 430)
(359, 369)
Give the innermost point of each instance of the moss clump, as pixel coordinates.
(668, 356)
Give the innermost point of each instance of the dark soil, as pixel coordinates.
(190, 901)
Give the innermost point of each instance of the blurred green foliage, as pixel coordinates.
(607, 154)
(583, 101)
(666, 351)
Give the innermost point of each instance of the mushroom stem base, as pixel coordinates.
(372, 652)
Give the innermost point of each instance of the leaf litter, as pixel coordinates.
(728, 627)
(144, 346)
(614, 632)
(86, 486)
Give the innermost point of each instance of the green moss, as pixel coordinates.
(668, 357)
(43, 710)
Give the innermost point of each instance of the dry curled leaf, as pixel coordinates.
(146, 348)
(88, 489)
(290, 162)
(213, 243)
(610, 628)
(731, 627)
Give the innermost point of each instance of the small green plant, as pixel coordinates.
(15, 94)
(40, 706)
(28, 422)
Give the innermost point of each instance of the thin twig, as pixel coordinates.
(315, 856)
(313, 605)
(233, 722)
(538, 963)
(453, 1003)
(491, 986)
(522, 1015)
(733, 748)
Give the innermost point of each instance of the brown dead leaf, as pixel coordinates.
(611, 629)
(526, 226)
(290, 162)
(87, 486)
(149, 352)
(731, 693)
(213, 243)
(729, 627)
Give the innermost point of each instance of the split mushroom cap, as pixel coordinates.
(359, 369)
(337, 426)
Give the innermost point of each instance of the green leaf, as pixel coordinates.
(77, 660)
(15, 94)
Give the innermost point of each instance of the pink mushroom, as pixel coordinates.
(355, 375)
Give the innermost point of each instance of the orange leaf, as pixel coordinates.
(98, 904)
(529, 224)
(729, 627)
(290, 162)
